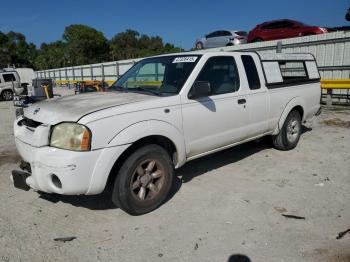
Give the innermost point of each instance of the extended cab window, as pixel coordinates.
(251, 72)
(9, 77)
(221, 72)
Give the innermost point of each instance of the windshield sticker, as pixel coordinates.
(185, 59)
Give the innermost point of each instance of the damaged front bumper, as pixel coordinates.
(54, 170)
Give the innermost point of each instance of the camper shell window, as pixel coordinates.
(282, 71)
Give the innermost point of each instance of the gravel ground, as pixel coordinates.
(223, 207)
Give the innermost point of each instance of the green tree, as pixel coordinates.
(5, 57)
(79, 45)
(124, 45)
(85, 45)
(130, 44)
(53, 55)
(15, 50)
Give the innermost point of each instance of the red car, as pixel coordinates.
(280, 29)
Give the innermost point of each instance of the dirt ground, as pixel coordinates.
(224, 207)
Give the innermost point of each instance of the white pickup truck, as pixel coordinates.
(162, 113)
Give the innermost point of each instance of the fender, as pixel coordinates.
(295, 101)
(152, 127)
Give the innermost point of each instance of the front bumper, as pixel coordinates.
(78, 172)
(74, 169)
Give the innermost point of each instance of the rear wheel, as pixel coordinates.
(199, 46)
(257, 40)
(308, 34)
(289, 135)
(7, 95)
(143, 181)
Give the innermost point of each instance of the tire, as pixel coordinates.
(309, 34)
(7, 95)
(256, 40)
(143, 181)
(289, 135)
(199, 46)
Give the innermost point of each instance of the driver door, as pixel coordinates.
(219, 119)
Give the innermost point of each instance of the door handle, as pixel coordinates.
(241, 101)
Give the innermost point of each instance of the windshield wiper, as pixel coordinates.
(145, 90)
(119, 88)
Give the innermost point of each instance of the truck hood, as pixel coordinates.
(72, 108)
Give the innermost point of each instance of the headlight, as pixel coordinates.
(71, 136)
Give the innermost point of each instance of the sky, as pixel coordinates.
(179, 22)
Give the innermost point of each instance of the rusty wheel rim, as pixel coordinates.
(147, 180)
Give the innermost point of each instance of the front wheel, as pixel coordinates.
(289, 135)
(143, 181)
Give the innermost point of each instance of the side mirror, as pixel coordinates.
(200, 89)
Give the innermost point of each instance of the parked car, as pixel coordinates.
(280, 29)
(9, 84)
(163, 112)
(221, 38)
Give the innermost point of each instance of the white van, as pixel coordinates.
(9, 84)
(26, 76)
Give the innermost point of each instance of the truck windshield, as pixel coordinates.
(158, 75)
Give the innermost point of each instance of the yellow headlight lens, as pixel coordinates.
(71, 136)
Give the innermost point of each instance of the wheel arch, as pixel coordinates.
(159, 140)
(149, 132)
(297, 103)
(6, 89)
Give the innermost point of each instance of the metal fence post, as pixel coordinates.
(329, 97)
(279, 47)
(117, 69)
(73, 73)
(65, 72)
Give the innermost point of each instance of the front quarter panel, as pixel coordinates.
(152, 127)
(126, 124)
